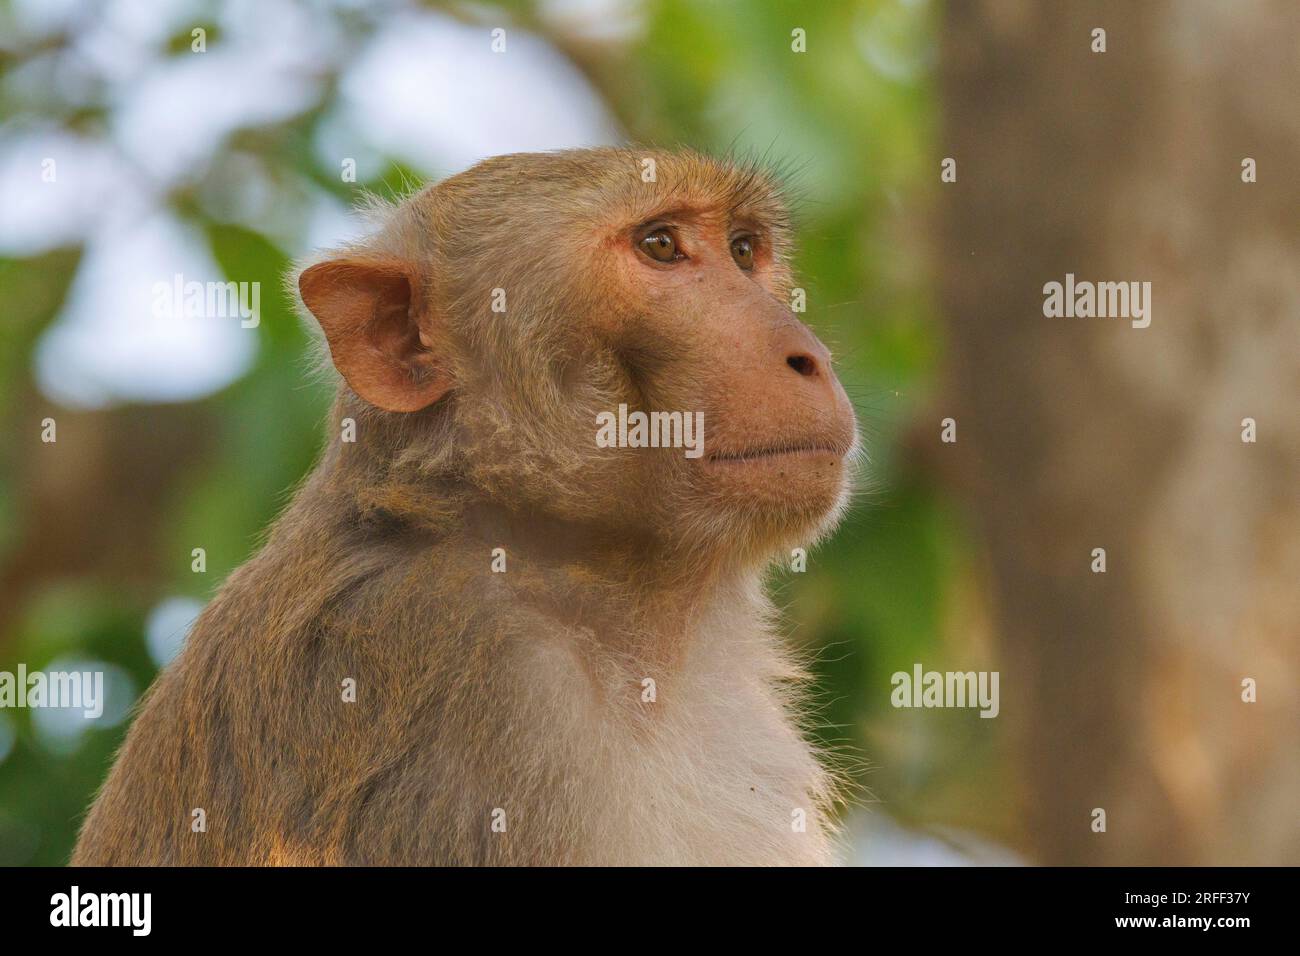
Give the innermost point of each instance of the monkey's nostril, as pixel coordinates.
(805, 365)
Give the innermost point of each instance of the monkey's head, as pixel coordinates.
(546, 332)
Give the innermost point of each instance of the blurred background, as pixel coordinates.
(133, 148)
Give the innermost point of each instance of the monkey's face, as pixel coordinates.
(705, 329)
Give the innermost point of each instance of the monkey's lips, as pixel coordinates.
(789, 481)
(786, 453)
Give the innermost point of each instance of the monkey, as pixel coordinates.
(477, 635)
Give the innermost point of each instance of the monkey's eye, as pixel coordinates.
(661, 246)
(742, 250)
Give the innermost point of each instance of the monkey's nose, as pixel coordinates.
(804, 364)
(804, 353)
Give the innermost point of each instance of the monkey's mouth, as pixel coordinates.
(776, 452)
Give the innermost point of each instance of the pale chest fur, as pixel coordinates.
(697, 763)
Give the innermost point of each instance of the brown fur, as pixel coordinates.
(520, 691)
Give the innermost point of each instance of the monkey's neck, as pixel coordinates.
(541, 538)
(603, 551)
(624, 587)
(617, 585)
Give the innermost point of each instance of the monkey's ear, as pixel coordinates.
(380, 335)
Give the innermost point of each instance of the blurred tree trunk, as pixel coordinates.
(1124, 688)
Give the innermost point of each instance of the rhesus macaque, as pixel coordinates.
(478, 635)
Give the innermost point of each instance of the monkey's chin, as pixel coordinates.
(789, 493)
